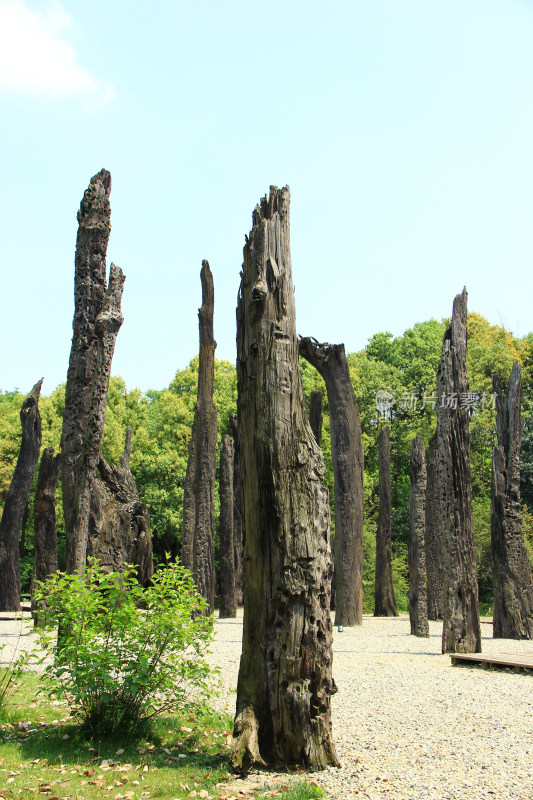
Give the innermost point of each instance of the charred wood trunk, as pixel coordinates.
(237, 515)
(228, 604)
(347, 456)
(461, 627)
(198, 536)
(315, 415)
(384, 600)
(418, 610)
(513, 587)
(285, 683)
(16, 500)
(434, 538)
(45, 531)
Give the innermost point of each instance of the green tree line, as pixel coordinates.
(404, 367)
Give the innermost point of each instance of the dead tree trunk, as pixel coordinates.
(315, 415)
(16, 499)
(434, 535)
(45, 532)
(228, 605)
(513, 587)
(461, 627)
(347, 456)
(418, 609)
(237, 516)
(285, 683)
(384, 600)
(198, 548)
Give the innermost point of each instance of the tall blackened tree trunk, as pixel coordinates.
(237, 515)
(315, 415)
(461, 631)
(347, 456)
(418, 610)
(434, 538)
(228, 605)
(198, 548)
(16, 500)
(283, 695)
(44, 522)
(384, 600)
(513, 587)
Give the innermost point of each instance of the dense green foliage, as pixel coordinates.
(125, 654)
(402, 366)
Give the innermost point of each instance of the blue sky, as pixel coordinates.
(404, 129)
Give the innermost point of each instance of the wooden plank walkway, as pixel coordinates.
(518, 661)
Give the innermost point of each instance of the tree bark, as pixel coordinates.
(237, 515)
(198, 536)
(228, 604)
(434, 538)
(418, 610)
(45, 531)
(461, 627)
(347, 456)
(384, 600)
(513, 586)
(315, 415)
(16, 500)
(283, 696)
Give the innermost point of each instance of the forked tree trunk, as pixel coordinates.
(16, 500)
(237, 515)
(228, 605)
(513, 587)
(315, 415)
(285, 683)
(198, 534)
(461, 627)
(347, 456)
(434, 538)
(384, 600)
(418, 610)
(45, 531)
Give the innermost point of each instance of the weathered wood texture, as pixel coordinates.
(347, 456)
(237, 515)
(384, 600)
(198, 532)
(285, 683)
(434, 538)
(228, 604)
(513, 586)
(44, 523)
(315, 415)
(461, 628)
(418, 610)
(16, 499)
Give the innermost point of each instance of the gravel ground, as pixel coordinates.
(407, 725)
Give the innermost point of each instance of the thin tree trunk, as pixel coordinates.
(418, 610)
(283, 696)
(347, 456)
(228, 605)
(45, 536)
(198, 535)
(237, 516)
(513, 586)
(16, 500)
(384, 600)
(461, 627)
(434, 538)
(125, 457)
(22, 543)
(315, 415)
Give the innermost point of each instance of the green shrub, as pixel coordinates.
(125, 654)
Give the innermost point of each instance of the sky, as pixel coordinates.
(404, 129)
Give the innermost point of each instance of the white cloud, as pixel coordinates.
(35, 57)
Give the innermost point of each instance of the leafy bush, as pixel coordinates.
(125, 654)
